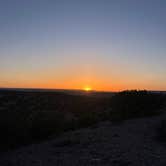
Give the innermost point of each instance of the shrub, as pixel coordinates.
(131, 104)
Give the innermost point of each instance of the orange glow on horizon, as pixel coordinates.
(80, 82)
(68, 84)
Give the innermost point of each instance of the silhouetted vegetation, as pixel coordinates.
(27, 117)
(134, 104)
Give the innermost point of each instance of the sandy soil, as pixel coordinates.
(129, 143)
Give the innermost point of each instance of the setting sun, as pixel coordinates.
(87, 88)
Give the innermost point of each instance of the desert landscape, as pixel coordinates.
(86, 128)
(82, 83)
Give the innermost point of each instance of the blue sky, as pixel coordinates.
(106, 44)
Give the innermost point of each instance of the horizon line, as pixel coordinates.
(58, 89)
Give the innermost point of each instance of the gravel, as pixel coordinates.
(131, 143)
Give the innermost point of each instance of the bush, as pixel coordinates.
(131, 104)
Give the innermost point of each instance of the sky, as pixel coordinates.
(108, 45)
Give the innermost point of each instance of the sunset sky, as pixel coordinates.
(72, 44)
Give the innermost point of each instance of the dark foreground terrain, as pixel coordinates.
(131, 143)
(78, 128)
(31, 116)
